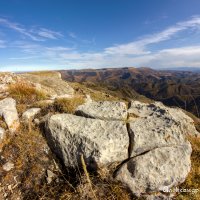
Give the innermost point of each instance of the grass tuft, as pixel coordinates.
(193, 180)
(25, 93)
(68, 105)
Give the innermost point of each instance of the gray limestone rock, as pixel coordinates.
(100, 142)
(9, 112)
(106, 110)
(156, 169)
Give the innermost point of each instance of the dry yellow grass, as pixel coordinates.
(26, 150)
(81, 89)
(44, 73)
(24, 93)
(2, 123)
(68, 105)
(193, 179)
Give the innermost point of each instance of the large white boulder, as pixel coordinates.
(9, 112)
(100, 142)
(106, 110)
(156, 170)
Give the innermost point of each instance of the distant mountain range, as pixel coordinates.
(172, 87)
(189, 69)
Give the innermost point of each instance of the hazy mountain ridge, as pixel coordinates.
(174, 88)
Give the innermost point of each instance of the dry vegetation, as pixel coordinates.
(44, 73)
(28, 151)
(96, 95)
(68, 105)
(25, 93)
(193, 179)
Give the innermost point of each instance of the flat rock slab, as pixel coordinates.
(157, 110)
(153, 132)
(9, 112)
(100, 142)
(105, 110)
(156, 169)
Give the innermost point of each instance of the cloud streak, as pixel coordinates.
(140, 46)
(136, 53)
(49, 34)
(33, 34)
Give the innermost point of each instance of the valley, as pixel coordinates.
(173, 88)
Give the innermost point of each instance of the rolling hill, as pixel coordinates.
(172, 87)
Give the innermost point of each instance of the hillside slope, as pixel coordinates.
(173, 88)
(61, 140)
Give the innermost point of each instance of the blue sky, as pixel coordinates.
(66, 34)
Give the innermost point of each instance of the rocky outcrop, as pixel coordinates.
(105, 110)
(9, 112)
(52, 84)
(100, 142)
(151, 145)
(30, 114)
(5, 80)
(157, 169)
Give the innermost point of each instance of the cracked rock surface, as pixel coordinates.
(101, 142)
(152, 146)
(156, 169)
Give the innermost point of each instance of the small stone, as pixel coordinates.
(10, 187)
(36, 121)
(50, 176)
(30, 114)
(8, 166)
(2, 134)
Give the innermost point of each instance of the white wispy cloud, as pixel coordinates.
(17, 27)
(136, 53)
(72, 35)
(139, 47)
(46, 33)
(59, 48)
(23, 58)
(166, 58)
(34, 34)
